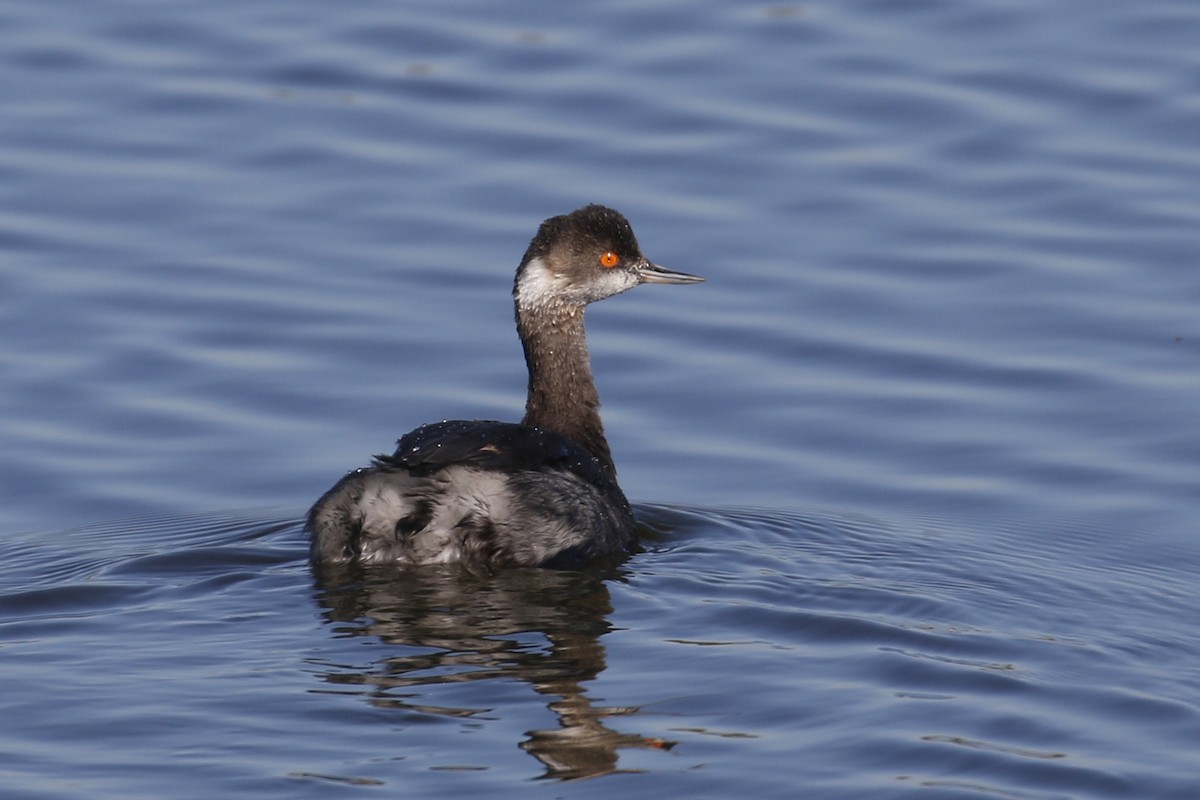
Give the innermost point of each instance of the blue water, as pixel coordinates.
(918, 468)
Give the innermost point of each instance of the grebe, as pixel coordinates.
(501, 494)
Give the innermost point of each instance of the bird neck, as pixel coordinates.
(562, 393)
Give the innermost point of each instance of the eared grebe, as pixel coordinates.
(497, 494)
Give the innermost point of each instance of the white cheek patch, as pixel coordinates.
(614, 282)
(537, 284)
(541, 285)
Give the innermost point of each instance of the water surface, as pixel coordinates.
(917, 467)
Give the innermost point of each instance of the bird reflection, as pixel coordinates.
(540, 626)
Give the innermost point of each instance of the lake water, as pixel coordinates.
(918, 468)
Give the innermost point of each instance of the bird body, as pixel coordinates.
(491, 494)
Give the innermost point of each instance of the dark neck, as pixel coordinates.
(562, 394)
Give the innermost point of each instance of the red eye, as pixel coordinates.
(610, 260)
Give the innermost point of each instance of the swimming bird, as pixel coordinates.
(492, 494)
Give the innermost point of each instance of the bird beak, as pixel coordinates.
(652, 273)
